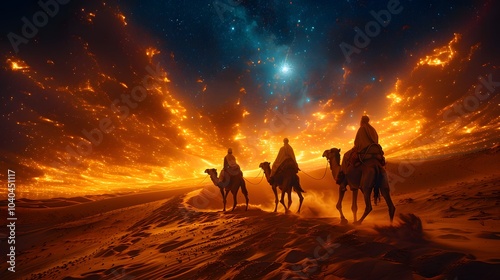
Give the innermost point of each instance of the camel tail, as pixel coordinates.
(298, 187)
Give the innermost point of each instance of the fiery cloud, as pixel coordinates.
(58, 98)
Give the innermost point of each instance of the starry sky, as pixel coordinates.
(297, 42)
(241, 74)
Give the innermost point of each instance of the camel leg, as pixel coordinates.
(282, 200)
(385, 190)
(245, 192)
(354, 206)
(223, 198)
(388, 200)
(367, 191)
(235, 195)
(276, 201)
(301, 198)
(343, 220)
(289, 198)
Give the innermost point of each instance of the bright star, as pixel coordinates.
(285, 69)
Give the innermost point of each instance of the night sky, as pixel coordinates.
(240, 74)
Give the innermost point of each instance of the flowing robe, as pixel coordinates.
(285, 153)
(365, 136)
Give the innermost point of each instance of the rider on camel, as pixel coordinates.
(229, 160)
(230, 165)
(286, 152)
(365, 137)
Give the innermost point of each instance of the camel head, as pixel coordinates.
(211, 171)
(265, 165)
(333, 153)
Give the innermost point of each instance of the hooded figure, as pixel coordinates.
(230, 165)
(366, 135)
(229, 160)
(286, 152)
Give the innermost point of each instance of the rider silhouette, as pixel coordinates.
(286, 152)
(365, 137)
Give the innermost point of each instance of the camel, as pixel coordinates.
(368, 176)
(286, 180)
(232, 185)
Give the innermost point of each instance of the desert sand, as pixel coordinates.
(447, 226)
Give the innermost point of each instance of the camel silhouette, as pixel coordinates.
(232, 185)
(286, 178)
(367, 177)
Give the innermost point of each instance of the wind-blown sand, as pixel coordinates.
(447, 227)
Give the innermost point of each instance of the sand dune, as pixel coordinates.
(447, 230)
